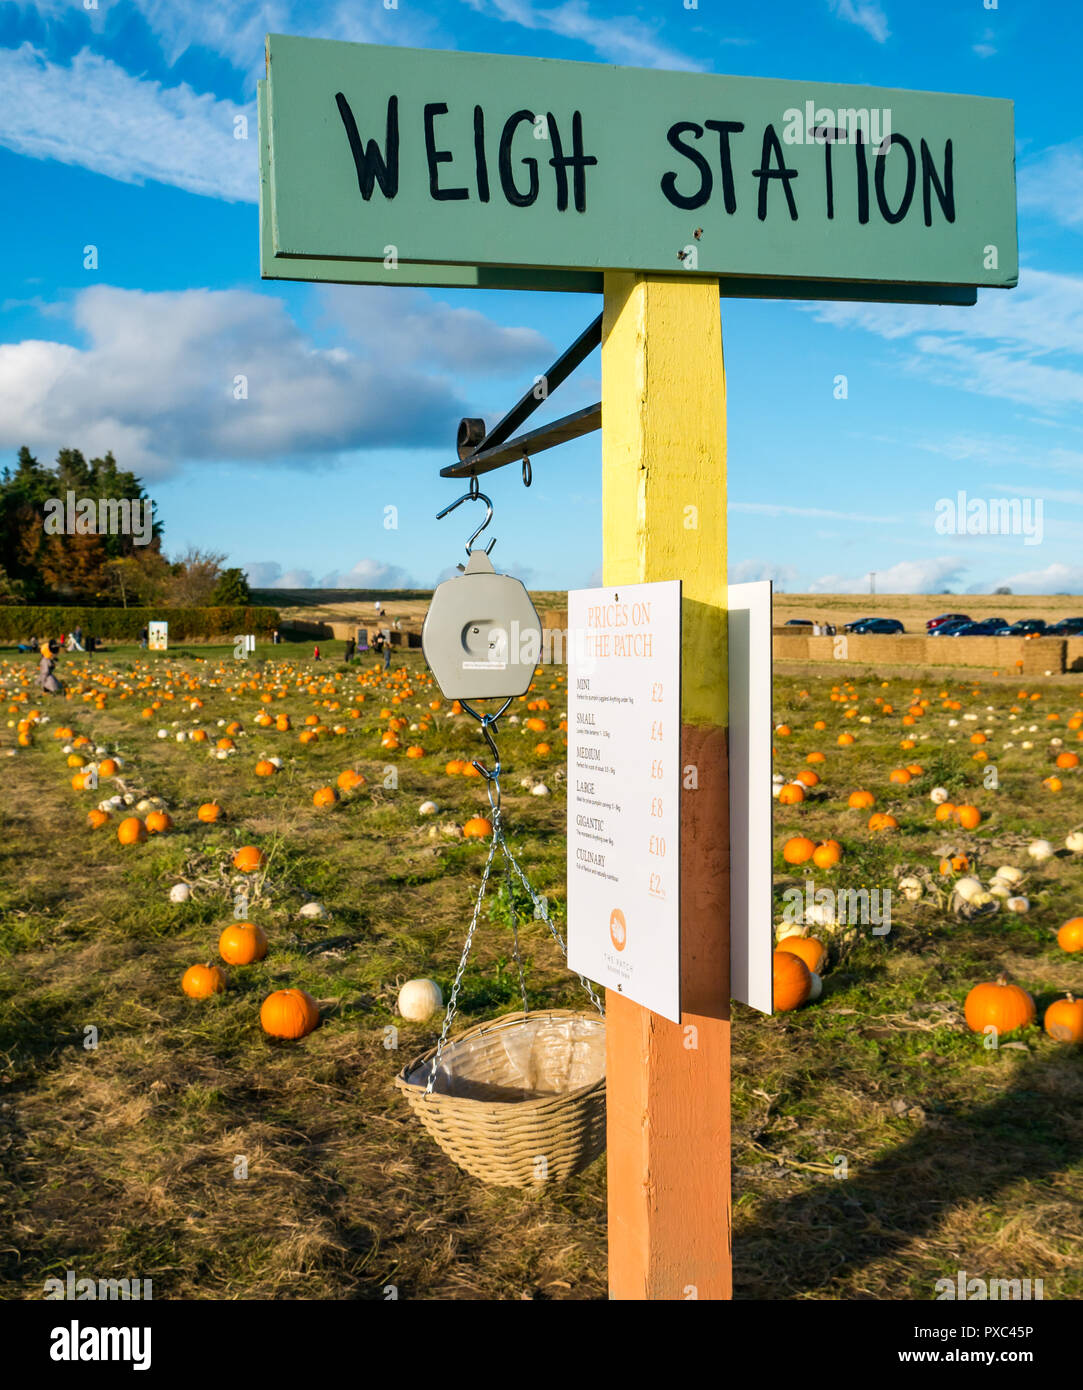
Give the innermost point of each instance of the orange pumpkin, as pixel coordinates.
(198, 981)
(901, 775)
(1064, 1020)
(1067, 759)
(325, 796)
(1070, 936)
(415, 750)
(242, 943)
(826, 856)
(542, 749)
(791, 794)
(349, 779)
(107, 767)
(454, 767)
(811, 951)
(945, 810)
(265, 768)
(96, 819)
(131, 831)
(883, 821)
(1000, 1005)
(248, 859)
(477, 828)
(158, 822)
(798, 850)
(791, 980)
(209, 812)
(861, 800)
(969, 817)
(289, 1013)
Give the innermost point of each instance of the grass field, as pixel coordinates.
(120, 1159)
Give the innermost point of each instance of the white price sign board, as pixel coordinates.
(158, 637)
(624, 791)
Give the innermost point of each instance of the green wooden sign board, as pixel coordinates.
(410, 166)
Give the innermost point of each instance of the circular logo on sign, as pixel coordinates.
(618, 929)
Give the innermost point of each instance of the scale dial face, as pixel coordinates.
(482, 634)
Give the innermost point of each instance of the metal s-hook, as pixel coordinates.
(475, 494)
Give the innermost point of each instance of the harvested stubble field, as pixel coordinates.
(120, 1160)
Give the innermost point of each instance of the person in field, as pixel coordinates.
(46, 671)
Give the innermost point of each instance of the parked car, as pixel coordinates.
(876, 625)
(950, 628)
(1025, 627)
(934, 623)
(1067, 627)
(985, 627)
(797, 622)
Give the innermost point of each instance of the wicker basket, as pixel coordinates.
(518, 1101)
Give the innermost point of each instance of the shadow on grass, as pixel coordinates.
(808, 1243)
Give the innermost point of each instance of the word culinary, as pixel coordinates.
(103, 516)
(467, 157)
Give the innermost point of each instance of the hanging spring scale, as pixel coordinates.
(482, 641)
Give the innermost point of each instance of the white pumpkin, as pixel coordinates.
(181, 735)
(540, 790)
(419, 1000)
(938, 796)
(180, 893)
(817, 987)
(1000, 889)
(1008, 873)
(313, 909)
(786, 929)
(968, 888)
(1074, 842)
(911, 888)
(163, 733)
(129, 799)
(982, 899)
(1019, 905)
(428, 808)
(527, 782)
(1040, 851)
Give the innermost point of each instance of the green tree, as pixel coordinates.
(232, 589)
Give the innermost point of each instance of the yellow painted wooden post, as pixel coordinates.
(664, 517)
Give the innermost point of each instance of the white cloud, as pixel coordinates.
(779, 509)
(866, 14)
(369, 574)
(404, 325)
(748, 571)
(96, 115)
(905, 577)
(157, 383)
(1055, 578)
(620, 38)
(1052, 183)
(1024, 344)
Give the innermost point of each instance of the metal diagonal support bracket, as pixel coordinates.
(481, 453)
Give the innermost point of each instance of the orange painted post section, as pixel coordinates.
(663, 503)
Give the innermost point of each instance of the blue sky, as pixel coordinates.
(116, 130)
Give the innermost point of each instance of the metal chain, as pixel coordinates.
(541, 908)
(453, 1000)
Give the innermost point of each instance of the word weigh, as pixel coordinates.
(718, 162)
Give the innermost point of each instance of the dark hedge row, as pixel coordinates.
(17, 622)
